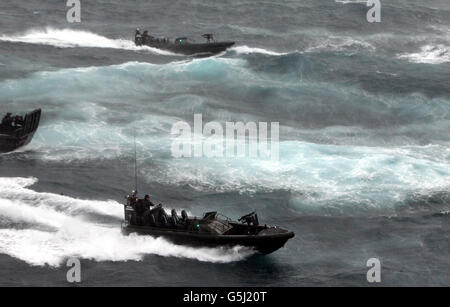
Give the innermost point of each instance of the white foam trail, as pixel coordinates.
(350, 1)
(17, 212)
(248, 50)
(429, 54)
(341, 43)
(66, 38)
(73, 236)
(16, 189)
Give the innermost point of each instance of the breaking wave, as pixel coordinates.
(342, 44)
(46, 228)
(429, 54)
(340, 144)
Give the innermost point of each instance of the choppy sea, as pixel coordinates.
(364, 149)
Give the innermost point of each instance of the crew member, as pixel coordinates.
(7, 120)
(132, 199)
(138, 37)
(140, 207)
(18, 121)
(148, 203)
(146, 38)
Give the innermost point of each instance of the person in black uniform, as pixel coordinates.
(18, 121)
(152, 212)
(7, 120)
(138, 37)
(146, 38)
(147, 202)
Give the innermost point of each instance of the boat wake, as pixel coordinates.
(66, 38)
(46, 228)
(350, 1)
(250, 50)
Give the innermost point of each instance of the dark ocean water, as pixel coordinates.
(364, 113)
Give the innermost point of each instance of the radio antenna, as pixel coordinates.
(135, 163)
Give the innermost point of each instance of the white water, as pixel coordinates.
(72, 235)
(377, 176)
(249, 50)
(350, 1)
(429, 54)
(67, 38)
(340, 44)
